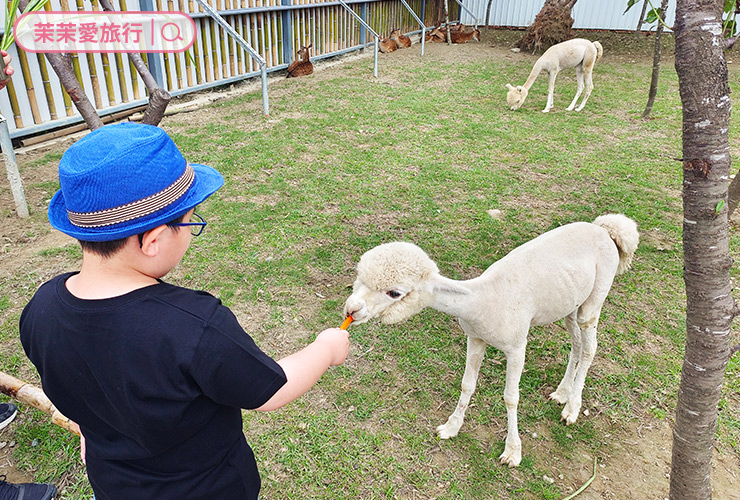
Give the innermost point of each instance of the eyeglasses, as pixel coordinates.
(195, 227)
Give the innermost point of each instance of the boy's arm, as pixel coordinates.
(304, 368)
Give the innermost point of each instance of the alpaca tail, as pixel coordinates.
(599, 51)
(623, 231)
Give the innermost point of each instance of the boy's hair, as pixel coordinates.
(107, 249)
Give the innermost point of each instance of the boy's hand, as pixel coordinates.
(337, 342)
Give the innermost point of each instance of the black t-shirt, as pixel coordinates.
(156, 379)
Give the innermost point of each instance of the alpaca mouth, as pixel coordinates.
(358, 320)
(359, 316)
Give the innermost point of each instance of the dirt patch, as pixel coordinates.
(7, 464)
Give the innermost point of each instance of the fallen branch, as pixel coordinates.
(33, 396)
(580, 490)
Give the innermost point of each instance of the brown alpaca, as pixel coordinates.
(401, 40)
(463, 34)
(387, 45)
(302, 66)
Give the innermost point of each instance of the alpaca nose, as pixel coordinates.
(353, 306)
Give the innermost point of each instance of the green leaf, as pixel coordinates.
(10, 16)
(630, 3)
(730, 6)
(719, 206)
(652, 16)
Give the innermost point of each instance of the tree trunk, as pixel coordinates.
(158, 97)
(488, 14)
(552, 25)
(702, 74)
(60, 64)
(656, 60)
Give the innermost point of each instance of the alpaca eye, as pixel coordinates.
(393, 294)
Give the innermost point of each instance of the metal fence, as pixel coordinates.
(36, 102)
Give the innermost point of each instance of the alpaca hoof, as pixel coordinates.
(447, 431)
(512, 458)
(545, 110)
(569, 415)
(559, 396)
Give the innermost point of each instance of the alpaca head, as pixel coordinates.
(394, 282)
(304, 54)
(516, 96)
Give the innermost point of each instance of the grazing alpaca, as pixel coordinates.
(401, 40)
(462, 34)
(302, 66)
(564, 273)
(578, 53)
(387, 45)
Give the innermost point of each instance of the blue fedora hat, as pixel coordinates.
(125, 179)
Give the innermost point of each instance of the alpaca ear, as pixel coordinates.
(509, 86)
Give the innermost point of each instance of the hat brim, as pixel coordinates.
(207, 181)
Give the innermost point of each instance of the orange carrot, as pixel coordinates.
(346, 323)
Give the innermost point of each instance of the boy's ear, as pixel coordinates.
(150, 241)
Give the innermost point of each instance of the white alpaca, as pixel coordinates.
(577, 53)
(564, 273)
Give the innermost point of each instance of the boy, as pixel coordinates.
(154, 374)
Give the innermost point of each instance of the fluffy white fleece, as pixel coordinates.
(564, 273)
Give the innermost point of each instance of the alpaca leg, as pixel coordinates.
(589, 85)
(476, 352)
(588, 324)
(512, 454)
(562, 393)
(550, 90)
(579, 79)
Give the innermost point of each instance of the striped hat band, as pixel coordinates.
(137, 209)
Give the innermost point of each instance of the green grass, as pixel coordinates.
(346, 162)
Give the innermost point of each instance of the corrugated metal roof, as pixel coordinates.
(587, 14)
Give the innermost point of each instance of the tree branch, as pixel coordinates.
(158, 97)
(68, 79)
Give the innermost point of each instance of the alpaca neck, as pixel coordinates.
(449, 299)
(536, 70)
